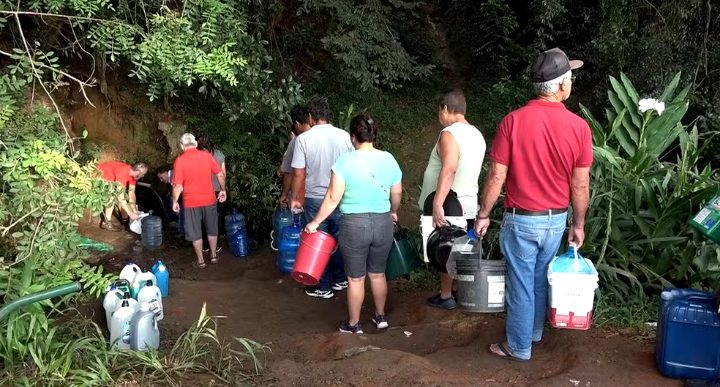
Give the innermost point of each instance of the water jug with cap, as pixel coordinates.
(289, 243)
(240, 243)
(140, 281)
(150, 295)
(282, 217)
(129, 272)
(151, 234)
(480, 282)
(162, 274)
(120, 324)
(233, 222)
(110, 302)
(144, 331)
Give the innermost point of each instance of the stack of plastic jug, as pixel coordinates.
(282, 217)
(688, 334)
(481, 282)
(237, 234)
(288, 246)
(573, 280)
(132, 312)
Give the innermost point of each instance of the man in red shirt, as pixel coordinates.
(543, 153)
(125, 176)
(192, 177)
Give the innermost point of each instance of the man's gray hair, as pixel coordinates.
(552, 86)
(188, 139)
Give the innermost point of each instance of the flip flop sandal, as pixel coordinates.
(504, 353)
(214, 260)
(199, 265)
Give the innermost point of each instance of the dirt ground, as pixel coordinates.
(423, 346)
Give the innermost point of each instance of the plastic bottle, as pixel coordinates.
(120, 325)
(140, 281)
(150, 294)
(110, 302)
(568, 263)
(122, 284)
(129, 272)
(462, 247)
(144, 332)
(163, 277)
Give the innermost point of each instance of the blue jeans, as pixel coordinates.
(528, 243)
(335, 270)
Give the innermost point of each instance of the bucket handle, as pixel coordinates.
(576, 261)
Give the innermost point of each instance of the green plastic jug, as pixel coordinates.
(403, 256)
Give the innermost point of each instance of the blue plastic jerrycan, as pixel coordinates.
(162, 274)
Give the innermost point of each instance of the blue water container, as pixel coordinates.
(282, 217)
(163, 278)
(688, 335)
(288, 246)
(240, 243)
(233, 222)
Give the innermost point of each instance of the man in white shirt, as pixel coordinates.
(315, 153)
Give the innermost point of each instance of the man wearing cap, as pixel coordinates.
(543, 153)
(192, 177)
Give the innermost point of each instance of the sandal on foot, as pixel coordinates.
(502, 351)
(199, 265)
(214, 260)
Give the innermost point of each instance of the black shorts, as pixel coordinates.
(194, 219)
(365, 242)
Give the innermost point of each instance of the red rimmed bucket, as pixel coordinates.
(312, 257)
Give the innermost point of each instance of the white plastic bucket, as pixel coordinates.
(570, 297)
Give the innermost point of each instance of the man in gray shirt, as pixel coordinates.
(315, 153)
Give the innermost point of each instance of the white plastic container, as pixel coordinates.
(144, 331)
(129, 272)
(140, 280)
(120, 325)
(151, 296)
(426, 228)
(110, 303)
(571, 296)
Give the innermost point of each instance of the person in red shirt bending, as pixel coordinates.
(542, 152)
(125, 176)
(192, 177)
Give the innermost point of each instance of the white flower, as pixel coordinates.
(646, 104)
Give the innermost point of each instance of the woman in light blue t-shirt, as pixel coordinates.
(367, 185)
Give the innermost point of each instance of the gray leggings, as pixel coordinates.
(365, 242)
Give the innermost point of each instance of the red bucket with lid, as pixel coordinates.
(312, 257)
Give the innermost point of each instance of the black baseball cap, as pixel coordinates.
(552, 64)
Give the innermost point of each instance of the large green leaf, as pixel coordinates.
(627, 101)
(670, 88)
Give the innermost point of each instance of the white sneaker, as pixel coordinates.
(338, 286)
(324, 294)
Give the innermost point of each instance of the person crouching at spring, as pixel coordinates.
(367, 185)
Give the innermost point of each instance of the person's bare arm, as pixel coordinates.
(580, 198)
(177, 189)
(395, 199)
(287, 180)
(298, 180)
(493, 186)
(449, 153)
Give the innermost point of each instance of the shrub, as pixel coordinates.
(646, 186)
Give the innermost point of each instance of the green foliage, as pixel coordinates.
(645, 191)
(77, 354)
(364, 43)
(615, 311)
(44, 193)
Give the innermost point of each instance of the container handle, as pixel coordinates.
(576, 261)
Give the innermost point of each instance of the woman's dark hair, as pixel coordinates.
(364, 127)
(204, 143)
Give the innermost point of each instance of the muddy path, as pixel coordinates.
(423, 346)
